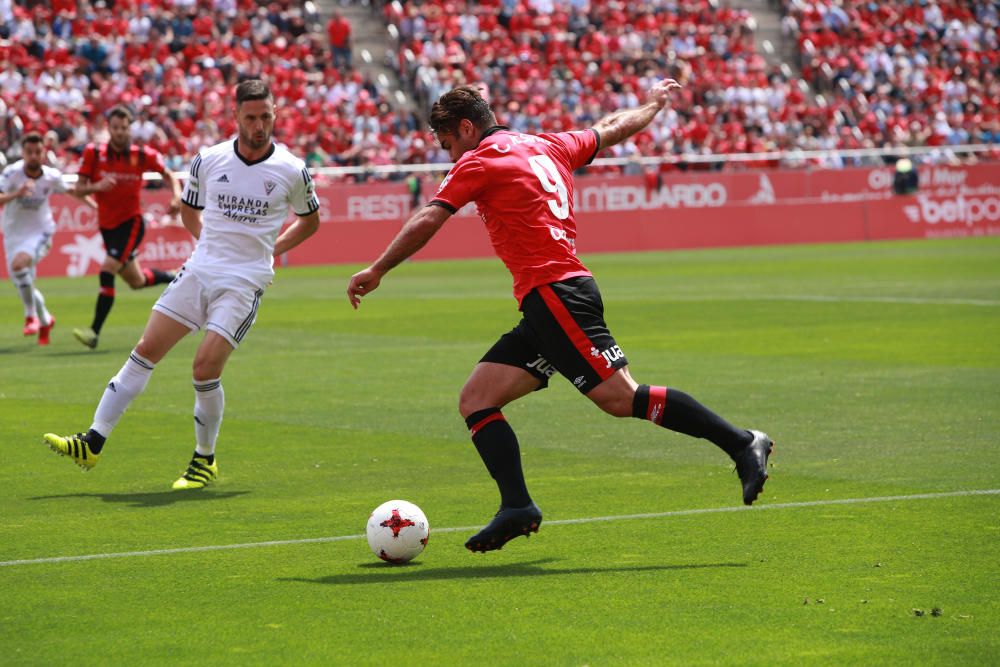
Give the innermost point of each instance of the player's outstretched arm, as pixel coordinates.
(621, 125)
(417, 231)
(297, 232)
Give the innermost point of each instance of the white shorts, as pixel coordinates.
(35, 245)
(227, 306)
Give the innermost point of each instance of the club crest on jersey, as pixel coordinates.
(269, 186)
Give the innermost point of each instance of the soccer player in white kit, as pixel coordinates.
(237, 198)
(25, 187)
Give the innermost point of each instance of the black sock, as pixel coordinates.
(95, 440)
(497, 446)
(156, 277)
(673, 409)
(161, 277)
(105, 299)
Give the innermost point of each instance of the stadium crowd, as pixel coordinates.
(554, 64)
(915, 72)
(900, 72)
(175, 62)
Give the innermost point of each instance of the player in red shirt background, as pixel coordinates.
(113, 173)
(523, 188)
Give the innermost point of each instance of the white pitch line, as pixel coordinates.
(557, 522)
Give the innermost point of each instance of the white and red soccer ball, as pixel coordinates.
(397, 531)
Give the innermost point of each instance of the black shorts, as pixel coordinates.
(562, 329)
(122, 242)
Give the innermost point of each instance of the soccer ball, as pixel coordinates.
(397, 531)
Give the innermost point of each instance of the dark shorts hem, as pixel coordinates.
(562, 329)
(122, 242)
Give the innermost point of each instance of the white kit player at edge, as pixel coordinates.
(28, 226)
(238, 196)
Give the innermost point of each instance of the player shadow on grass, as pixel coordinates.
(381, 573)
(154, 499)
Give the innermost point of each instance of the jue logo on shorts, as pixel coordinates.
(543, 366)
(611, 355)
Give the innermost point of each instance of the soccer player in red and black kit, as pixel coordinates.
(523, 188)
(113, 173)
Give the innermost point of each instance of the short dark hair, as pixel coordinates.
(121, 111)
(458, 104)
(252, 89)
(32, 138)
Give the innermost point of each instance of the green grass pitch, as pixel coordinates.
(875, 367)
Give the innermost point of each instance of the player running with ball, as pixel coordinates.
(523, 188)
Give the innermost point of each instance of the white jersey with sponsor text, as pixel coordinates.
(29, 214)
(244, 206)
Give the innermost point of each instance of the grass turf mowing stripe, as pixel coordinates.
(557, 522)
(920, 301)
(829, 298)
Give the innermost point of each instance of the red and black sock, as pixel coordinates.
(677, 411)
(105, 299)
(156, 277)
(497, 446)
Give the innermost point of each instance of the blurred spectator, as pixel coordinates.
(95, 54)
(338, 29)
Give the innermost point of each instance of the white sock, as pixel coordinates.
(209, 404)
(120, 392)
(43, 314)
(25, 288)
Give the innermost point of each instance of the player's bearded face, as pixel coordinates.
(32, 154)
(256, 122)
(121, 132)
